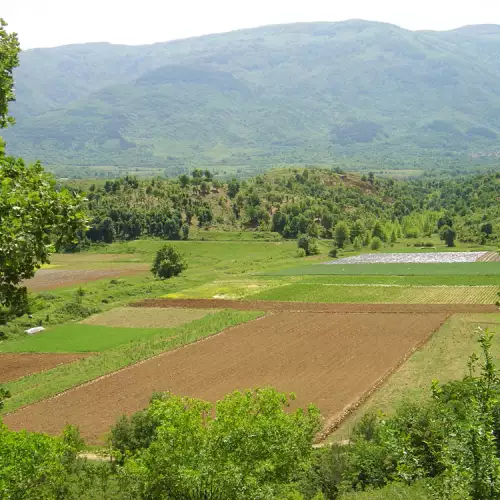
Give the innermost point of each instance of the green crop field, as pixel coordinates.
(426, 280)
(81, 338)
(383, 294)
(448, 269)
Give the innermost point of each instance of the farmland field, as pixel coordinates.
(410, 258)
(375, 269)
(128, 317)
(50, 279)
(15, 366)
(316, 336)
(381, 294)
(80, 338)
(332, 360)
(443, 358)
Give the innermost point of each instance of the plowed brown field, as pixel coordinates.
(344, 308)
(49, 279)
(14, 366)
(332, 360)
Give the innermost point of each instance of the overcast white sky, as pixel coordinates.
(47, 23)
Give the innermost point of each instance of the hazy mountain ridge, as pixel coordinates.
(300, 92)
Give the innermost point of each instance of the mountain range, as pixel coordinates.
(297, 93)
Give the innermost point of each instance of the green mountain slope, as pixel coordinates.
(294, 93)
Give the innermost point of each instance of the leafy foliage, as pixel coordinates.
(168, 262)
(292, 202)
(34, 466)
(36, 216)
(251, 448)
(9, 59)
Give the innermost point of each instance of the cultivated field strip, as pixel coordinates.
(50, 279)
(331, 360)
(410, 258)
(128, 317)
(14, 366)
(270, 305)
(490, 257)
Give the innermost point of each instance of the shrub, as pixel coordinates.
(301, 253)
(376, 243)
(426, 244)
(168, 262)
(333, 251)
(308, 244)
(448, 234)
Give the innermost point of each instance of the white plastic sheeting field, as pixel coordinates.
(410, 258)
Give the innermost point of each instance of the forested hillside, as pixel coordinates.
(320, 203)
(357, 91)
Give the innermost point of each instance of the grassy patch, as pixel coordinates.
(429, 280)
(443, 358)
(381, 294)
(42, 385)
(133, 317)
(226, 289)
(454, 269)
(79, 338)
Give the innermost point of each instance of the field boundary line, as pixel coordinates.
(333, 423)
(133, 365)
(328, 307)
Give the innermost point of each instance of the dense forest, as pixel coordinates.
(291, 202)
(317, 93)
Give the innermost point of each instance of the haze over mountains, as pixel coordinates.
(308, 92)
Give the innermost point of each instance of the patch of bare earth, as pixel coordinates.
(17, 365)
(344, 308)
(332, 360)
(133, 317)
(49, 279)
(490, 257)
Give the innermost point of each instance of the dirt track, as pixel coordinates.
(14, 366)
(268, 305)
(332, 360)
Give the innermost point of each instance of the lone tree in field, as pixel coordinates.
(448, 234)
(168, 262)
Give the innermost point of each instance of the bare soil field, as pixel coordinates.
(332, 360)
(49, 279)
(133, 317)
(344, 308)
(14, 366)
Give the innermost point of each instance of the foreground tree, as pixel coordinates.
(9, 59)
(246, 446)
(168, 262)
(36, 217)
